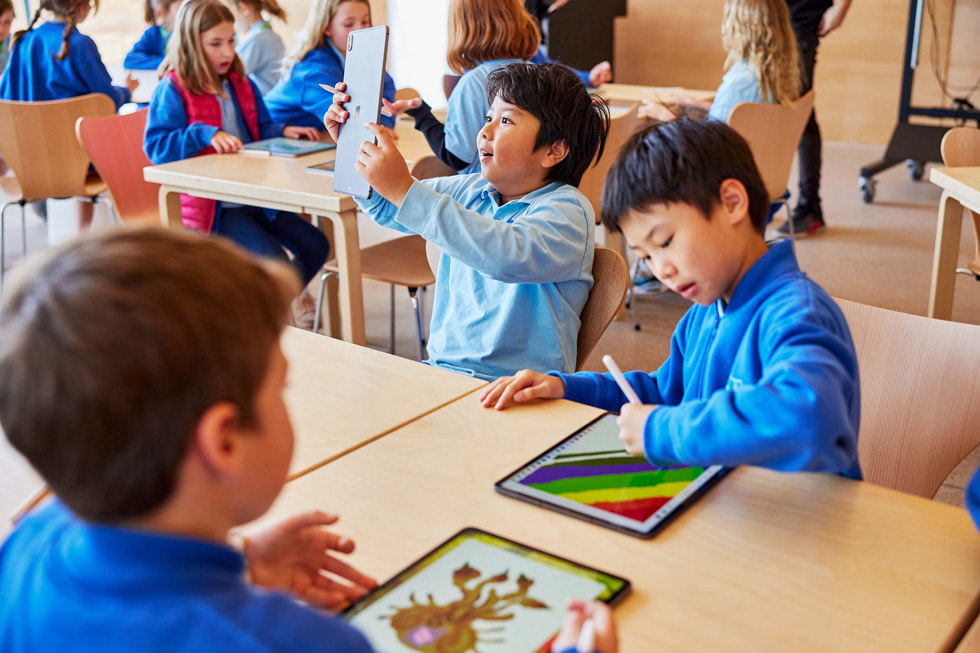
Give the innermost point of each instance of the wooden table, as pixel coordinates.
(961, 190)
(342, 396)
(285, 184)
(765, 561)
(628, 93)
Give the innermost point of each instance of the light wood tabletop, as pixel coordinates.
(764, 561)
(341, 396)
(961, 189)
(628, 93)
(284, 183)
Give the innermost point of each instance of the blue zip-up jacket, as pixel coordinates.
(33, 74)
(67, 585)
(512, 279)
(973, 498)
(770, 380)
(168, 137)
(148, 52)
(298, 98)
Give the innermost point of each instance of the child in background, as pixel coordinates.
(153, 464)
(54, 61)
(205, 103)
(148, 52)
(762, 65)
(260, 49)
(6, 20)
(318, 57)
(762, 370)
(517, 240)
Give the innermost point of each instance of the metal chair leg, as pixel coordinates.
(3, 222)
(391, 326)
(631, 294)
(320, 292)
(413, 293)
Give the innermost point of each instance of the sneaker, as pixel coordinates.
(806, 222)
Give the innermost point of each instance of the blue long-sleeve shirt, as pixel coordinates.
(740, 84)
(148, 52)
(68, 585)
(261, 50)
(168, 137)
(770, 380)
(298, 99)
(33, 74)
(512, 279)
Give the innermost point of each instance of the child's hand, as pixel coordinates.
(336, 115)
(309, 133)
(384, 166)
(291, 555)
(600, 74)
(631, 422)
(652, 110)
(224, 142)
(523, 386)
(603, 624)
(131, 82)
(399, 106)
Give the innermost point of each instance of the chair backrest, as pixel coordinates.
(611, 279)
(961, 147)
(449, 83)
(920, 380)
(406, 93)
(773, 133)
(115, 144)
(431, 166)
(37, 139)
(621, 126)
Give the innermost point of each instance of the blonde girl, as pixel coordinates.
(260, 49)
(148, 52)
(204, 104)
(318, 57)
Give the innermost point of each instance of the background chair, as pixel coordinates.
(961, 147)
(611, 279)
(773, 133)
(920, 379)
(37, 140)
(115, 144)
(449, 83)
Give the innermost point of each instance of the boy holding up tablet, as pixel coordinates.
(517, 239)
(762, 370)
(156, 445)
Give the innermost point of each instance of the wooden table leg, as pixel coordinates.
(348, 250)
(170, 208)
(944, 258)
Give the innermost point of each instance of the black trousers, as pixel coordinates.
(810, 149)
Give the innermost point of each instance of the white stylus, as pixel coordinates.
(586, 636)
(621, 381)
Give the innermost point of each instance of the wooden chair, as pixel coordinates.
(37, 140)
(920, 379)
(115, 144)
(961, 147)
(449, 83)
(611, 279)
(773, 133)
(621, 127)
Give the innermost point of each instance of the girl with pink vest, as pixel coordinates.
(204, 104)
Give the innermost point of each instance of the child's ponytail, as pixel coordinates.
(21, 33)
(149, 13)
(273, 8)
(69, 26)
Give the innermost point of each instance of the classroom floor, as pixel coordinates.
(877, 254)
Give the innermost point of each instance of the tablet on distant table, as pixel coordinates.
(478, 592)
(590, 476)
(282, 146)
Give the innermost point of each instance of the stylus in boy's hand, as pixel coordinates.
(331, 89)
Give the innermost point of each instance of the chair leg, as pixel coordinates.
(631, 293)
(391, 326)
(320, 292)
(3, 262)
(413, 293)
(23, 230)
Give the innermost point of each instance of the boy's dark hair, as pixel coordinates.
(559, 100)
(682, 161)
(112, 348)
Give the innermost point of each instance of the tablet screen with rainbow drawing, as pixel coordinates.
(590, 476)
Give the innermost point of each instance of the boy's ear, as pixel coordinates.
(554, 154)
(215, 438)
(734, 199)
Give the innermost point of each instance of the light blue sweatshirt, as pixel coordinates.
(261, 50)
(770, 380)
(512, 279)
(740, 84)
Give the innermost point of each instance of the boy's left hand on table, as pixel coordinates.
(292, 554)
(383, 166)
(308, 133)
(631, 422)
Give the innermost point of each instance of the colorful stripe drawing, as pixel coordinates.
(594, 471)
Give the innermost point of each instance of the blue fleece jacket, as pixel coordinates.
(148, 52)
(770, 380)
(33, 74)
(298, 99)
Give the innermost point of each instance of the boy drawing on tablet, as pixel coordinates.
(156, 445)
(762, 370)
(517, 239)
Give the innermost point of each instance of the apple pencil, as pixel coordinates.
(586, 636)
(331, 89)
(621, 381)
